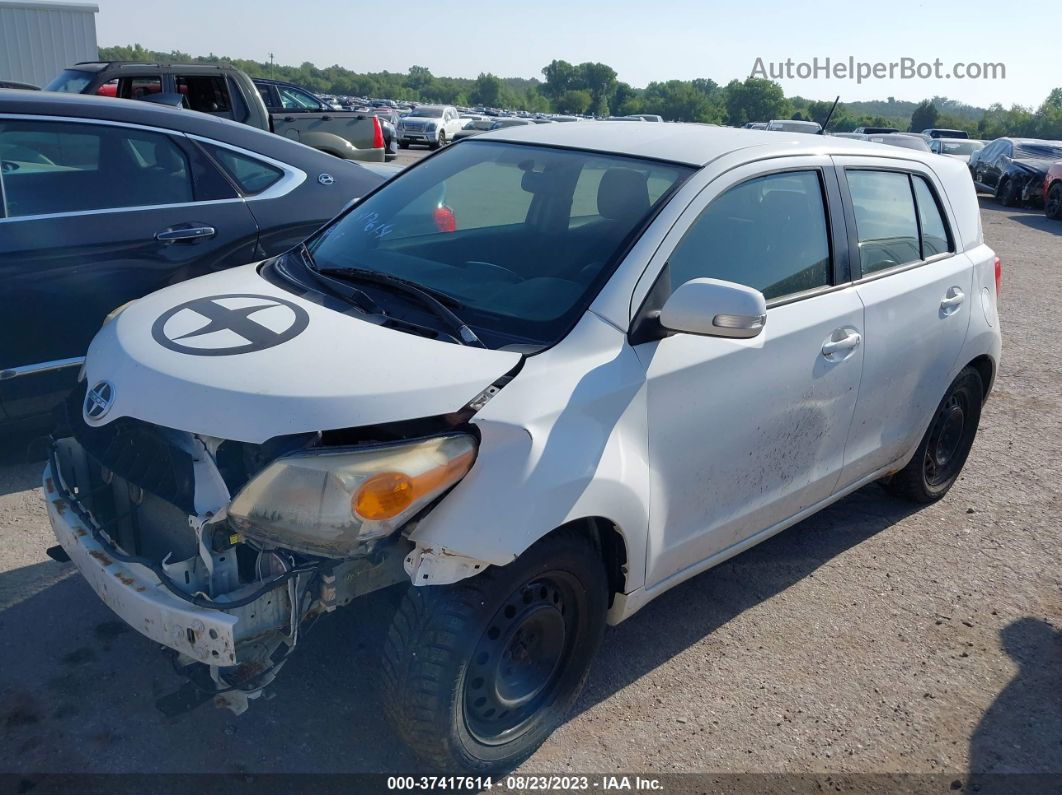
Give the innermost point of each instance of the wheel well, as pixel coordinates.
(986, 369)
(609, 542)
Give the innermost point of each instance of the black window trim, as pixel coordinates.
(853, 239)
(293, 176)
(644, 326)
(172, 135)
(206, 146)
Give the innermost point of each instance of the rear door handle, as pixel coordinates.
(952, 300)
(840, 343)
(185, 233)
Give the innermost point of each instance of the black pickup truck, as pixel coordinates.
(227, 92)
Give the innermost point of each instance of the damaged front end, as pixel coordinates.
(223, 551)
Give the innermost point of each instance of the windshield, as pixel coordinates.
(521, 237)
(960, 147)
(1042, 151)
(428, 113)
(70, 81)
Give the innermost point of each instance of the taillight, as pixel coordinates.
(999, 275)
(444, 218)
(377, 133)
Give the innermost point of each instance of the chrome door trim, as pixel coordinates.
(293, 177)
(41, 367)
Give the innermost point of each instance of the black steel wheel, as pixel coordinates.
(476, 675)
(940, 457)
(516, 663)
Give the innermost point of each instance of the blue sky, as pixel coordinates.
(640, 39)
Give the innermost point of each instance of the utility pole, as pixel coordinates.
(271, 75)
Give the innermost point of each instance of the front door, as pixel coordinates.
(744, 434)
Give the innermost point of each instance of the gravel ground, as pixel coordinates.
(870, 638)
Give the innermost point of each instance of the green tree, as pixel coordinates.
(625, 100)
(924, 116)
(574, 101)
(420, 79)
(678, 100)
(487, 91)
(600, 80)
(560, 76)
(756, 99)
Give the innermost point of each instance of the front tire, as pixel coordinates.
(476, 675)
(947, 442)
(1053, 205)
(1006, 194)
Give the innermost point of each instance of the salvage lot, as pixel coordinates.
(871, 637)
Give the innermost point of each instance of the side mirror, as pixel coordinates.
(715, 308)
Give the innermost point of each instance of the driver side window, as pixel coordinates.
(768, 233)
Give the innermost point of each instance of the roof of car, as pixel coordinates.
(692, 144)
(87, 107)
(99, 66)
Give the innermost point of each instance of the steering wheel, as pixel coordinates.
(491, 268)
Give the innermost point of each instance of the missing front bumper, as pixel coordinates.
(134, 592)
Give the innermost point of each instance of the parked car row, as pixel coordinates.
(1016, 170)
(228, 93)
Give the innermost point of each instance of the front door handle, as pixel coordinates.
(174, 235)
(840, 343)
(952, 301)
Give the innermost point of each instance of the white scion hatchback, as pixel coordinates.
(543, 375)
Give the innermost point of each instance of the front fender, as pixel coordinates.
(565, 440)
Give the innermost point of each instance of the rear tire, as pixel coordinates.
(947, 442)
(1053, 205)
(1006, 194)
(476, 675)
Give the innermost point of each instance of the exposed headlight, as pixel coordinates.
(330, 503)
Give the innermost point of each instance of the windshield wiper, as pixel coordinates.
(362, 300)
(465, 335)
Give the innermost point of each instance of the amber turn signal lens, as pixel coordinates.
(388, 494)
(384, 496)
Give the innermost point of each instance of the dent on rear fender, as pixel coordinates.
(565, 440)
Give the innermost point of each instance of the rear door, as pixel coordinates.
(96, 214)
(918, 295)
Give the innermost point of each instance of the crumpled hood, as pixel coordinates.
(233, 356)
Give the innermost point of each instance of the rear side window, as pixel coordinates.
(55, 167)
(930, 220)
(252, 175)
(885, 219)
(139, 87)
(768, 233)
(205, 93)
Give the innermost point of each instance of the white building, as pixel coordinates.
(40, 39)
